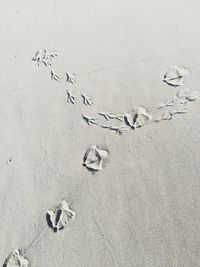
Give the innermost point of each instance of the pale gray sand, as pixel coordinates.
(143, 208)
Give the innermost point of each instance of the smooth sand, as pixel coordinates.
(143, 209)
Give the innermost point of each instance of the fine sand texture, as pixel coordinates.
(138, 204)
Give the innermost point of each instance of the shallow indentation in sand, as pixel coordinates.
(59, 217)
(137, 118)
(176, 105)
(9, 160)
(117, 129)
(188, 94)
(175, 76)
(111, 115)
(94, 158)
(87, 100)
(44, 56)
(90, 120)
(16, 259)
(70, 77)
(54, 76)
(70, 98)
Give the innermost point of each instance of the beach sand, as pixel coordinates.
(143, 208)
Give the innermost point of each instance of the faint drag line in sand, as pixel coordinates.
(116, 264)
(137, 61)
(34, 241)
(125, 64)
(24, 88)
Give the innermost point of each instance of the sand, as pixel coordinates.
(143, 208)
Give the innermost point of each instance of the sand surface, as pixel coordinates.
(143, 208)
